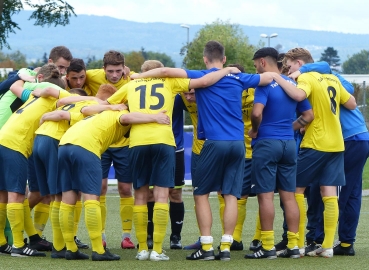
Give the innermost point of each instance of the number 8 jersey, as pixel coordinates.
(325, 93)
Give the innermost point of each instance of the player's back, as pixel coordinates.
(325, 93)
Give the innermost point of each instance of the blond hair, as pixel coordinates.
(299, 54)
(151, 64)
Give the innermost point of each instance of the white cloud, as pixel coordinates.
(339, 15)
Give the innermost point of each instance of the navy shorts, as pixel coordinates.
(13, 170)
(45, 159)
(274, 165)
(194, 161)
(325, 167)
(220, 168)
(246, 184)
(179, 170)
(119, 157)
(31, 175)
(79, 170)
(152, 165)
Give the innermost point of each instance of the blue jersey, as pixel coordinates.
(279, 111)
(220, 107)
(177, 122)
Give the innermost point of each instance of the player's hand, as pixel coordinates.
(162, 118)
(126, 71)
(37, 92)
(294, 75)
(26, 78)
(233, 70)
(119, 107)
(134, 76)
(253, 134)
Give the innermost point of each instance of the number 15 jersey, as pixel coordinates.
(150, 95)
(325, 93)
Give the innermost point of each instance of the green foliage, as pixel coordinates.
(165, 59)
(92, 63)
(134, 60)
(56, 12)
(238, 50)
(15, 60)
(357, 64)
(330, 55)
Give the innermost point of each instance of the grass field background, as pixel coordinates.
(189, 235)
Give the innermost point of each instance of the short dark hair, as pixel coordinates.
(214, 50)
(60, 51)
(78, 91)
(76, 65)
(114, 58)
(265, 52)
(240, 67)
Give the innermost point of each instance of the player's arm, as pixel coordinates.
(141, 118)
(17, 88)
(266, 78)
(256, 117)
(74, 99)
(212, 77)
(291, 90)
(46, 92)
(350, 104)
(305, 118)
(94, 109)
(6, 84)
(161, 73)
(55, 116)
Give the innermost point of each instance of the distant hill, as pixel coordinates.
(88, 36)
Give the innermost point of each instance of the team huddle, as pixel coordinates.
(292, 128)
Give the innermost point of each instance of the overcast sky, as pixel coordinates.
(346, 16)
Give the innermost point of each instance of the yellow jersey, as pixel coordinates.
(247, 105)
(97, 132)
(56, 129)
(192, 110)
(18, 133)
(97, 77)
(325, 93)
(150, 95)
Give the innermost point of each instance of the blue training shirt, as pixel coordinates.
(177, 122)
(220, 105)
(279, 111)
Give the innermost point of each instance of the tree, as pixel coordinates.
(92, 63)
(237, 47)
(51, 12)
(357, 64)
(330, 55)
(134, 60)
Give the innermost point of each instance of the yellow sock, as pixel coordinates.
(267, 238)
(15, 212)
(292, 239)
(345, 244)
(103, 210)
(58, 240)
(221, 211)
(140, 214)
(206, 242)
(126, 214)
(77, 216)
(302, 209)
(50, 208)
(66, 220)
(241, 207)
(41, 215)
(226, 242)
(257, 235)
(160, 220)
(330, 220)
(2, 223)
(28, 222)
(93, 224)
